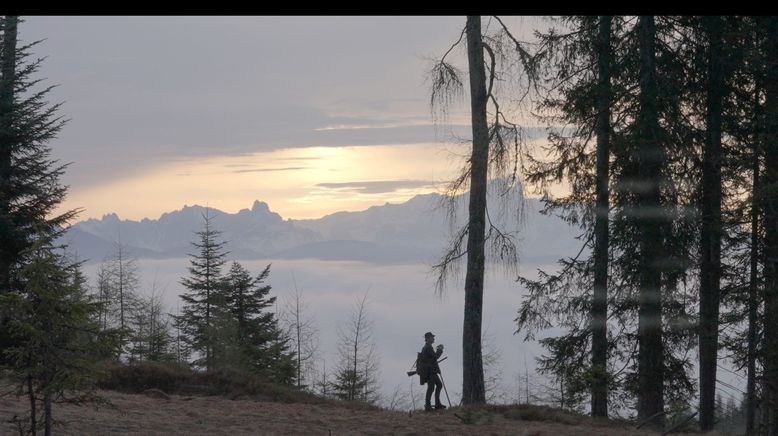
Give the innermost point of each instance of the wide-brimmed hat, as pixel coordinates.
(428, 334)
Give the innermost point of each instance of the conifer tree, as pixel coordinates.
(151, 339)
(58, 342)
(118, 281)
(205, 286)
(356, 376)
(301, 330)
(30, 189)
(259, 338)
(770, 204)
(497, 145)
(647, 213)
(50, 337)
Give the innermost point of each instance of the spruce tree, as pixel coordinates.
(574, 111)
(29, 179)
(50, 337)
(205, 286)
(259, 338)
(30, 189)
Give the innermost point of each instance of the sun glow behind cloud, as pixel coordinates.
(295, 182)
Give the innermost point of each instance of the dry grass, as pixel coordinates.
(153, 399)
(137, 414)
(175, 379)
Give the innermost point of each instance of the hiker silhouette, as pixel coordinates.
(428, 369)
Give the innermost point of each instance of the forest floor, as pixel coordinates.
(139, 414)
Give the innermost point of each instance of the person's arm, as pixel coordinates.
(438, 353)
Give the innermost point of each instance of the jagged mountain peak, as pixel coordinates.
(260, 207)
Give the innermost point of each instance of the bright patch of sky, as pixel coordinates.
(296, 182)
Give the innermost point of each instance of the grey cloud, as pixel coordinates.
(378, 187)
(262, 170)
(184, 87)
(188, 87)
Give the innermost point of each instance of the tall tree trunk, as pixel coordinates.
(650, 159)
(297, 330)
(753, 301)
(599, 313)
(473, 390)
(771, 228)
(33, 409)
(710, 238)
(121, 302)
(753, 298)
(7, 78)
(47, 418)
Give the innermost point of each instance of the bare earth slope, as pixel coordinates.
(211, 415)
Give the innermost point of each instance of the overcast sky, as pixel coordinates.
(168, 110)
(310, 114)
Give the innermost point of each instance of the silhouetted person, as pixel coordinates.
(428, 370)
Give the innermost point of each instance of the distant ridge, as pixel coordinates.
(410, 232)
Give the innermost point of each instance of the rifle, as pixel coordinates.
(411, 373)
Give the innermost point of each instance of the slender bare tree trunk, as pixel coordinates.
(473, 390)
(599, 311)
(650, 160)
(297, 331)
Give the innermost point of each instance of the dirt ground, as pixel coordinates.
(145, 415)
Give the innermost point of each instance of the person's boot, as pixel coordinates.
(428, 407)
(439, 406)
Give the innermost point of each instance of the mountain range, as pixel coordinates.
(417, 230)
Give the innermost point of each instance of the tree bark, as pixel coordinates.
(33, 411)
(599, 311)
(650, 159)
(48, 420)
(753, 298)
(710, 238)
(473, 390)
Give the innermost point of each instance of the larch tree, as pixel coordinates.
(301, 330)
(120, 283)
(356, 374)
(495, 152)
(151, 339)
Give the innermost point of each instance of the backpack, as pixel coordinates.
(422, 368)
